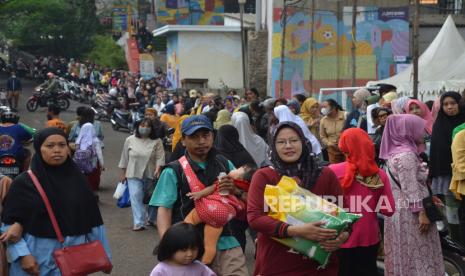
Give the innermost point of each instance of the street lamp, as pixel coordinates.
(241, 11)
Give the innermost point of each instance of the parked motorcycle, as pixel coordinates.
(10, 166)
(126, 119)
(42, 99)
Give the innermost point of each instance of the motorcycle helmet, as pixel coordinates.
(9, 116)
(113, 92)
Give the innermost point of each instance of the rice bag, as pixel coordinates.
(294, 205)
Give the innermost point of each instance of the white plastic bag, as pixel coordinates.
(120, 188)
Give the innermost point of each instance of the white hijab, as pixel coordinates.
(253, 143)
(87, 136)
(284, 114)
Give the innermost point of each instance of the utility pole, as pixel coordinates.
(416, 19)
(244, 73)
(312, 46)
(354, 37)
(283, 38)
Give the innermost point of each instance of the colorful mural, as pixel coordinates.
(193, 12)
(382, 37)
(172, 70)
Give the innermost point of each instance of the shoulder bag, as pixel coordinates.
(75, 260)
(431, 210)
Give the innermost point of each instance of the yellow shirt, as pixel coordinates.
(457, 184)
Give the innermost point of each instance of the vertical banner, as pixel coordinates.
(147, 66)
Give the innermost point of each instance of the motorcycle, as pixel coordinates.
(42, 99)
(10, 166)
(452, 251)
(126, 119)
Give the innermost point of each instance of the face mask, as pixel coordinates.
(144, 131)
(324, 111)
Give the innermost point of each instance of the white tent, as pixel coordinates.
(441, 66)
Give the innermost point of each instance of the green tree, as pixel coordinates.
(58, 27)
(106, 52)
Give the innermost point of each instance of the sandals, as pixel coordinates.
(138, 228)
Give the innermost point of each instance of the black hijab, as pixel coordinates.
(441, 137)
(307, 168)
(67, 189)
(227, 143)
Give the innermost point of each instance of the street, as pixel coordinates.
(131, 251)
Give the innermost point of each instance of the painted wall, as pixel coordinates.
(172, 61)
(193, 12)
(215, 56)
(382, 37)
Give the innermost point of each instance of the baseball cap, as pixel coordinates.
(194, 123)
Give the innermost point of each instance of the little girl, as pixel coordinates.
(178, 253)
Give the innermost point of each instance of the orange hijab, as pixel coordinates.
(360, 152)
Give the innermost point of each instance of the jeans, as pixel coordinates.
(139, 210)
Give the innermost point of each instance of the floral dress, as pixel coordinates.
(407, 251)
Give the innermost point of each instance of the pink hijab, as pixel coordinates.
(401, 134)
(436, 108)
(425, 113)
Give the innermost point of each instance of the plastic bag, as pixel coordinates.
(120, 188)
(124, 201)
(294, 205)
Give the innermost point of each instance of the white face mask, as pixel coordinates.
(325, 111)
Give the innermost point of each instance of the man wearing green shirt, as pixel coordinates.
(170, 193)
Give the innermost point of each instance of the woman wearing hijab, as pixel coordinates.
(283, 113)
(310, 113)
(398, 105)
(450, 115)
(457, 184)
(223, 118)
(227, 143)
(358, 118)
(253, 143)
(87, 140)
(361, 178)
(411, 242)
(141, 160)
(71, 199)
(291, 156)
(379, 115)
(415, 107)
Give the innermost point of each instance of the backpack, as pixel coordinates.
(83, 159)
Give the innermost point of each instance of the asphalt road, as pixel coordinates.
(131, 251)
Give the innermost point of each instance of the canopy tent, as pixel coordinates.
(441, 66)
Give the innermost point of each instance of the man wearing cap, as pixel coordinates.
(170, 195)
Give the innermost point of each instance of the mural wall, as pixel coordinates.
(172, 55)
(382, 41)
(193, 12)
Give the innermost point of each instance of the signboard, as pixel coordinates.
(147, 66)
(119, 18)
(386, 14)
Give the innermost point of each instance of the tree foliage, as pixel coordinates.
(106, 52)
(58, 27)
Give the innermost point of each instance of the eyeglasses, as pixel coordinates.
(382, 116)
(283, 143)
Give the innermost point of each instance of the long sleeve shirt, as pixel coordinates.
(273, 258)
(331, 129)
(42, 249)
(360, 199)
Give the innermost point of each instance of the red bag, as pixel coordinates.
(78, 260)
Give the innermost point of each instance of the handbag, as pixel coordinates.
(124, 201)
(77, 260)
(431, 210)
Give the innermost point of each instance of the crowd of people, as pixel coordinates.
(206, 191)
